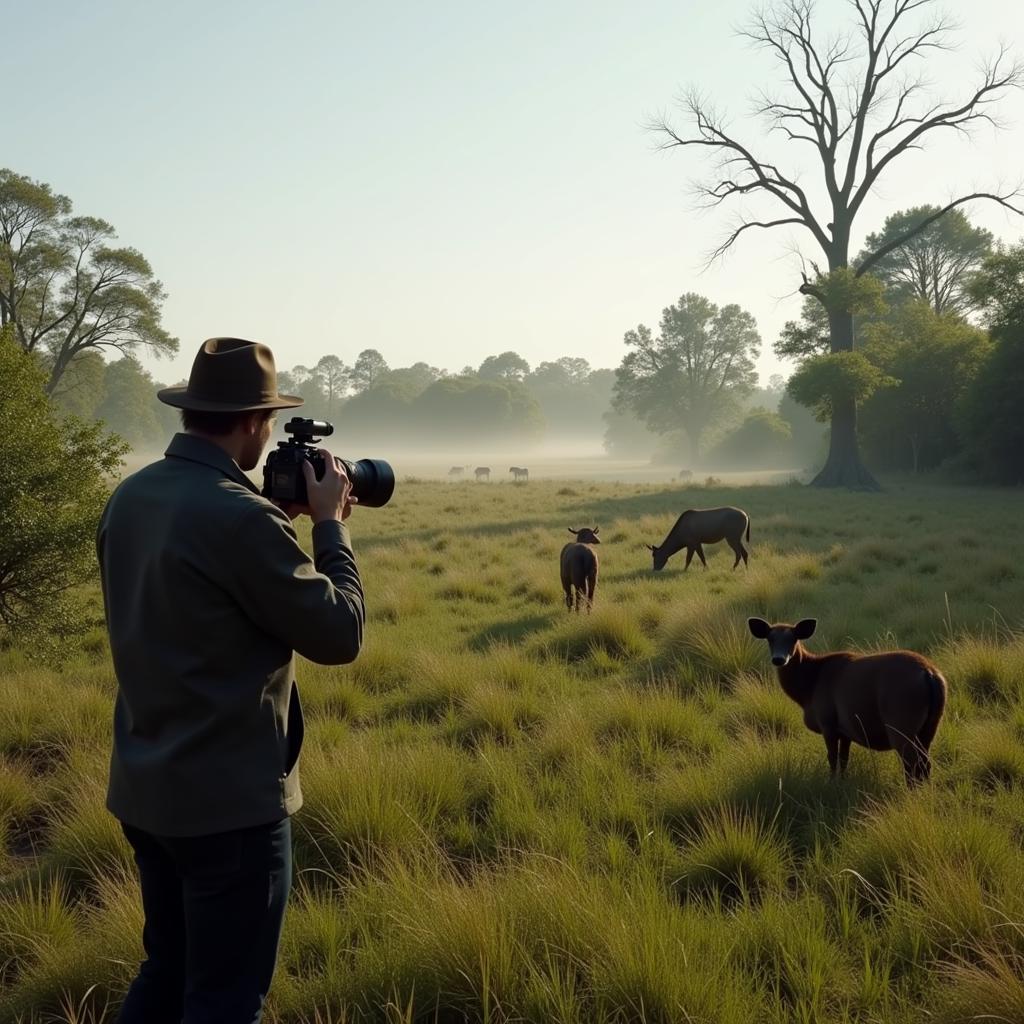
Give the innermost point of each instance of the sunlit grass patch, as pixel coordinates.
(988, 666)
(492, 711)
(762, 708)
(723, 649)
(609, 631)
(733, 856)
(992, 754)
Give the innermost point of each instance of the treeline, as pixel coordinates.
(936, 370)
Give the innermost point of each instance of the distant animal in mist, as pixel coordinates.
(699, 526)
(888, 701)
(686, 474)
(578, 566)
(482, 472)
(519, 472)
(456, 471)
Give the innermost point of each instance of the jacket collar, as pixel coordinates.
(198, 449)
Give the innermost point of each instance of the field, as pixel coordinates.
(517, 814)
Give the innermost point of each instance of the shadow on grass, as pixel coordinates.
(511, 632)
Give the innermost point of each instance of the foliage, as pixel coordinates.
(935, 358)
(992, 424)
(822, 381)
(508, 366)
(368, 367)
(764, 439)
(65, 288)
(999, 288)
(934, 265)
(52, 490)
(692, 374)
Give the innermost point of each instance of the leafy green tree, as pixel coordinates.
(304, 382)
(414, 379)
(507, 366)
(332, 378)
(851, 101)
(932, 264)
(993, 426)
(764, 439)
(53, 488)
(934, 358)
(130, 407)
(65, 288)
(836, 378)
(368, 367)
(83, 386)
(692, 374)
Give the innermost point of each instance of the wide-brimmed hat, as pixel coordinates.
(230, 375)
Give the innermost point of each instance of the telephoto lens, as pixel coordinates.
(373, 481)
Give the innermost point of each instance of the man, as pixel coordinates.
(207, 595)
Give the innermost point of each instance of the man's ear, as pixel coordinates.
(805, 628)
(758, 628)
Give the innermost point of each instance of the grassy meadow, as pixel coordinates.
(518, 814)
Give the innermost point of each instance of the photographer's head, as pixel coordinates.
(231, 397)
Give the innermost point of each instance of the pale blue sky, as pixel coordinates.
(439, 181)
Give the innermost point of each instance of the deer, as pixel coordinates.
(699, 526)
(888, 701)
(519, 472)
(456, 471)
(686, 474)
(482, 472)
(578, 565)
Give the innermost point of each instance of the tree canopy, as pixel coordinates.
(53, 488)
(931, 264)
(65, 287)
(689, 376)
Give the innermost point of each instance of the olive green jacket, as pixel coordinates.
(207, 594)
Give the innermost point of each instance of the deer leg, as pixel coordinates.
(700, 555)
(689, 558)
(832, 749)
(844, 754)
(737, 551)
(743, 551)
(592, 590)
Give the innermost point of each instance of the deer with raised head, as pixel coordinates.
(888, 701)
(699, 526)
(519, 472)
(578, 565)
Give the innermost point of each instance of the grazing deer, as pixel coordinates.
(889, 701)
(698, 526)
(578, 564)
(519, 472)
(482, 472)
(456, 470)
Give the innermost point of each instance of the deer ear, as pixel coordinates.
(597, 529)
(758, 628)
(650, 547)
(805, 628)
(571, 530)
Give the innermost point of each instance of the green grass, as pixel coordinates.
(515, 813)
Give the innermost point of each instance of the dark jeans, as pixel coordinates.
(214, 907)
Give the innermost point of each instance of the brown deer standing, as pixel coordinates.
(888, 701)
(578, 564)
(698, 526)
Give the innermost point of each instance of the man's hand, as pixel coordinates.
(331, 496)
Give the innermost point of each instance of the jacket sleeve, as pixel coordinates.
(316, 608)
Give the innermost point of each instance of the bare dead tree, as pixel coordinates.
(854, 101)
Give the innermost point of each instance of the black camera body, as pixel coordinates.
(373, 480)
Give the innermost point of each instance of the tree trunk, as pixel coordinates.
(844, 467)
